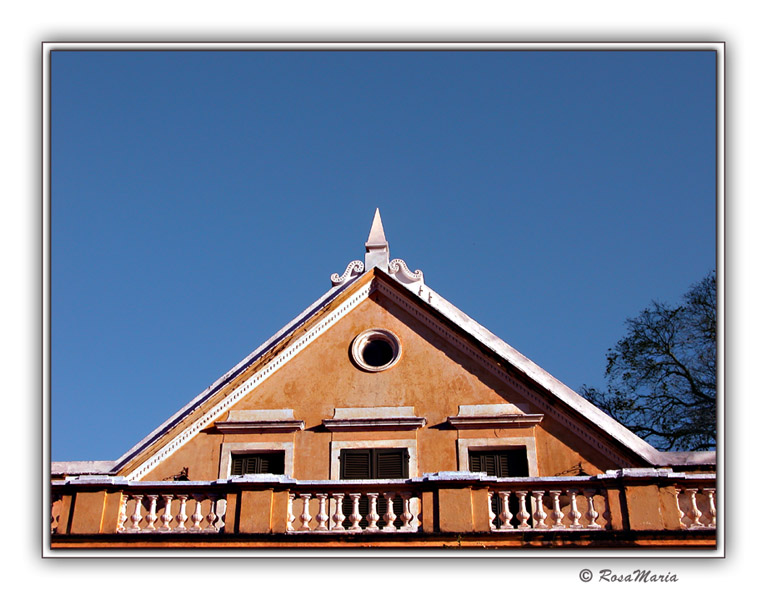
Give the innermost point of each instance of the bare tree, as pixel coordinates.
(662, 374)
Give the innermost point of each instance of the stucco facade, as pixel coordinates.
(382, 368)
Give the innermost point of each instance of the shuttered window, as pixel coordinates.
(500, 463)
(263, 462)
(374, 463)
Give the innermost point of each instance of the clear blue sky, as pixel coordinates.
(201, 200)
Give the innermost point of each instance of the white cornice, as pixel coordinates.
(474, 331)
(494, 421)
(268, 369)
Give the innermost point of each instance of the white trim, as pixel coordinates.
(249, 385)
(475, 331)
(360, 343)
(466, 444)
(229, 448)
(201, 398)
(478, 333)
(336, 447)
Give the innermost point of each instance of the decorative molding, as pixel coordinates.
(259, 421)
(454, 316)
(494, 421)
(353, 269)
(491, 365)
(361, 341)
(400, 271)
(250, 384)
(402, 423)
(374, 418)
(258, 426)
(473, 416)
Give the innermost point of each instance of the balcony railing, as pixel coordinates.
(521, 506)
(168, 511)
(455, 502)
(354, 507)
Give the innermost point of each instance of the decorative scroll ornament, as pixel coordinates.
(356, 267)
(398, 268)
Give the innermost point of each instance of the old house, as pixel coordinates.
(384, 416)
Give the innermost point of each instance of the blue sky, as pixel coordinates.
(200, 201)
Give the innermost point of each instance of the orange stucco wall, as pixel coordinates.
(432, 376)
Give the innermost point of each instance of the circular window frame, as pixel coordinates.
(363, 339)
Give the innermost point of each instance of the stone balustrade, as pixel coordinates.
(164, 512)
(521, 508)
(360, 507)
(696, 506)
(636, 501)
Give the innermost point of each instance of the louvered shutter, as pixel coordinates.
(390, 464)
(267, 462)
(501, 463)
(374, 463)
(356, 464)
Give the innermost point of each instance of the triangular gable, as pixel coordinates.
(408, 291)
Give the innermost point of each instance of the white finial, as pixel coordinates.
(377, 255)
(377, 248)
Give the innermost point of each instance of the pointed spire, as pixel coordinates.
(376, 248)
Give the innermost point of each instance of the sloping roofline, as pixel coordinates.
(377, 267)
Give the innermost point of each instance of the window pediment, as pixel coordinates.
(477, 416)
(369, 418)
(259, 421)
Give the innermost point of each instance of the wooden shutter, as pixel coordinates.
(511, 462)
(356, 464)
(391, 464)
(374, 463)
(266, 462)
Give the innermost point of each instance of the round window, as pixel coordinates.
(376, 350)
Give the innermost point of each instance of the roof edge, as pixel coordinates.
(200, 399)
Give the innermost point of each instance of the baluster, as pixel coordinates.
(136, 516)
(539, 515)
(306, 516)
(415, 510)
(373, 516)
(491, 514)
(322, 515)
(338, 516)
(711, 505)
(522, 515)
(558, 515)
(166, 517)
(291, 517)
(679, 510)
(55, 512)
(406, 515)
(182, 517)
(211, 518)
(197, 515)
(390, 515)
(123, 514)
(694, 513)
(152, 515)
(221, 513)
(506, 515)
(574, 515)
(355, 517)
(592, 515)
